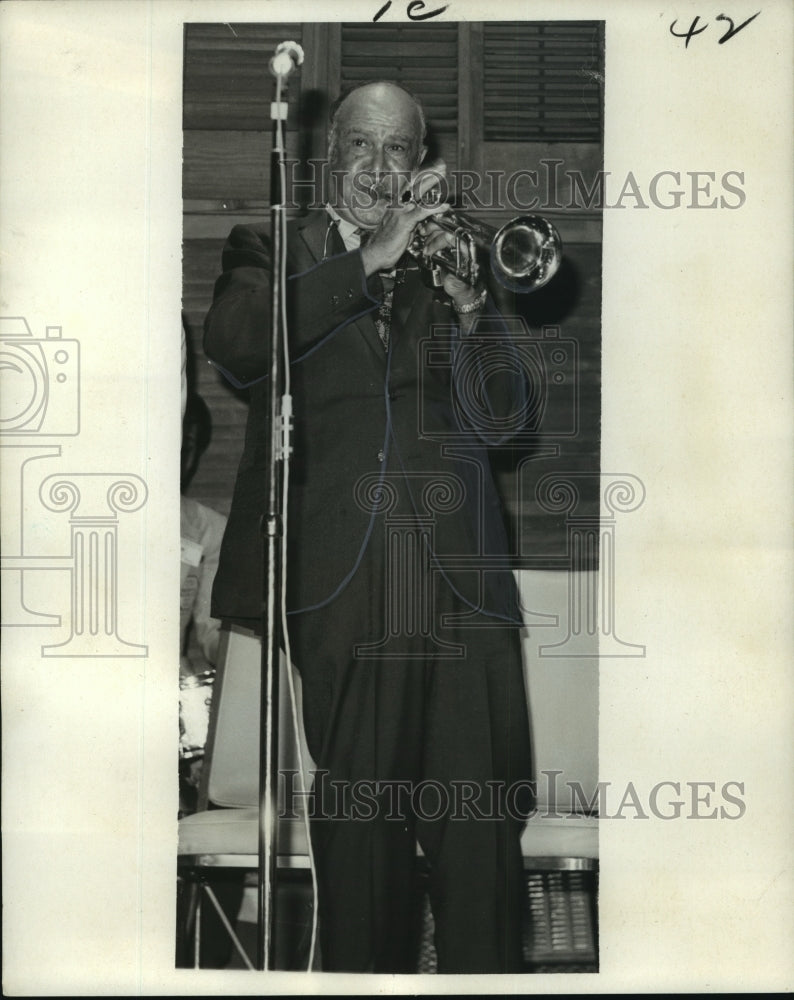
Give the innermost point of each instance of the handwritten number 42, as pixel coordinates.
(694, 30)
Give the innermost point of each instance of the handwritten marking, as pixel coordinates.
(694, 30)
(413, 6)
(689, 35)
(733, 31)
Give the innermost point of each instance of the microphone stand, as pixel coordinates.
(272, 528)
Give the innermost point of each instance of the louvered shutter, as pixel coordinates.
(227, 80)
(228, 88)
(542, 81)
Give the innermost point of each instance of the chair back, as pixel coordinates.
(231, 766)
(231, 762)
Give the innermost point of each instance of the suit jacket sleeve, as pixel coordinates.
(332, 293)
(493, 376)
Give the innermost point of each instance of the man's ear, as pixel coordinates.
(422, 155)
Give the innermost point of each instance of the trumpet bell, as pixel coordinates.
(526, 253)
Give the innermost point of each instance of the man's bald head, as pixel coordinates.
(392, 98)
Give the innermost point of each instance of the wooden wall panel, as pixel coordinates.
(226, 165)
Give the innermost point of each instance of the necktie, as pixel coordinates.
(383, 319)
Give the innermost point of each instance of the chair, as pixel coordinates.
(223, 833)
(560, 840)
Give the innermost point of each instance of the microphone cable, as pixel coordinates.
(286, 417)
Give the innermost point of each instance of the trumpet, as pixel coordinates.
(525, 253)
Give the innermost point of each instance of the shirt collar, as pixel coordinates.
(351, 235)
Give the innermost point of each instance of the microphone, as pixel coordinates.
(289, 55)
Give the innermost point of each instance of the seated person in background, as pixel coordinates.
(201, 530)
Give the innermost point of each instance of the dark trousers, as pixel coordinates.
(392, 736)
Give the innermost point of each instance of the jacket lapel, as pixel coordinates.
(321, 243)
(312, 231)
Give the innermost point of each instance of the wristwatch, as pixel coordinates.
(478, 303)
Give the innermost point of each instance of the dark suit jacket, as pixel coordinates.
(359, 415)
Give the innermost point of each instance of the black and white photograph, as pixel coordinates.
(442, 320)
(395, 437)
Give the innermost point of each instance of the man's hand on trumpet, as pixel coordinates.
(406, 209)
(437, 240)
(410, 211)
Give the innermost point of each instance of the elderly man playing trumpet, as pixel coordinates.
(403, 620)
